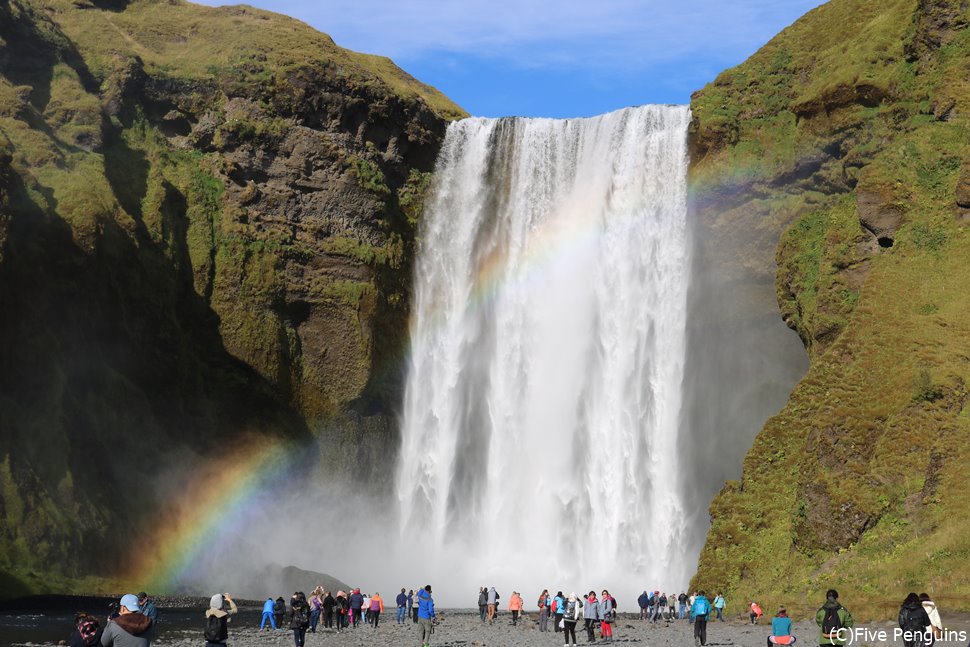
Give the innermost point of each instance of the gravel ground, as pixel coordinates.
(465, 629)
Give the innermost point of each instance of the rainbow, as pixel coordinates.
(221, 494)
(214, 501)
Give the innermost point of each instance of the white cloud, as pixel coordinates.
(628, 34)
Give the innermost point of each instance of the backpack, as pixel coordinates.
(88, 628)
(910, 620)
(832, 623)
(216, 629)
(555, 606)
(703, 608)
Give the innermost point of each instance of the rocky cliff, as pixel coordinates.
(835, 161)
(206, 228)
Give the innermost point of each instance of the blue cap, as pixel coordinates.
(130, 602)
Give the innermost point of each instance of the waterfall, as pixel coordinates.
(539, 431)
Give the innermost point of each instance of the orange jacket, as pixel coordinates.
(515, 603)
(376, 603)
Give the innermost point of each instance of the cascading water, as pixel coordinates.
(544, 393)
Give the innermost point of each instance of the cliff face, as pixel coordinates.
(835, 159)
(206, 228)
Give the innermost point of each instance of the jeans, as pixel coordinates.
(683, 610)
(299, 637)
(555, 622)
(700, 629)
(402, 613)
(590, 632)
(375, 617)
(267, 616)
(314, 619)
(483, 611)
(544, 619)
(356, 613)
(719, 617)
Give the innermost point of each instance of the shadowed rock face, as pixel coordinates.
(831, 165)
(205, 243)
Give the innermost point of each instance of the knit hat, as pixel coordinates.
(216, 601)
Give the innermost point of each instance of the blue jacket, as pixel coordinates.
(643, 600)
(560, 605)
(402, 600)
(356, 600)
(719, 602)
(701, 607)
(268, 605)
(425, 605)
(780, 626)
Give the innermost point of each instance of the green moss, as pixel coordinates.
(369, 177)
(240, 45)
(855, 484)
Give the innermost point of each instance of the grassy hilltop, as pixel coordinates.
(207, 219)
(837, 158)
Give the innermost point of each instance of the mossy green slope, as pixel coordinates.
(207, 219)
(836, 155)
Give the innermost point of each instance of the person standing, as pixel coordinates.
(572, 613)
(356, 607)
(402, 607)
(591, 615)
(268, 614)
(299, 618)
(682, 601)
(936, 624)
(341, 609)
(644, 602)
(699, 612)
(719, 605)
(328, 607)
(216, 620)
(781, 629)
(543, 605)
(558, 610)
(483, 603)
(493, 598)
(376, 609)
(913, 620)
(515, 607)
(607, 615)
(426, 615)
(316, 606)
(415, 606)
(832, 618)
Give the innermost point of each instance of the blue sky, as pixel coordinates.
(553, 58)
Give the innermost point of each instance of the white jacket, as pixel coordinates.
(934, 615)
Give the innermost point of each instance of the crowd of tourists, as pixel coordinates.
(134, 620)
